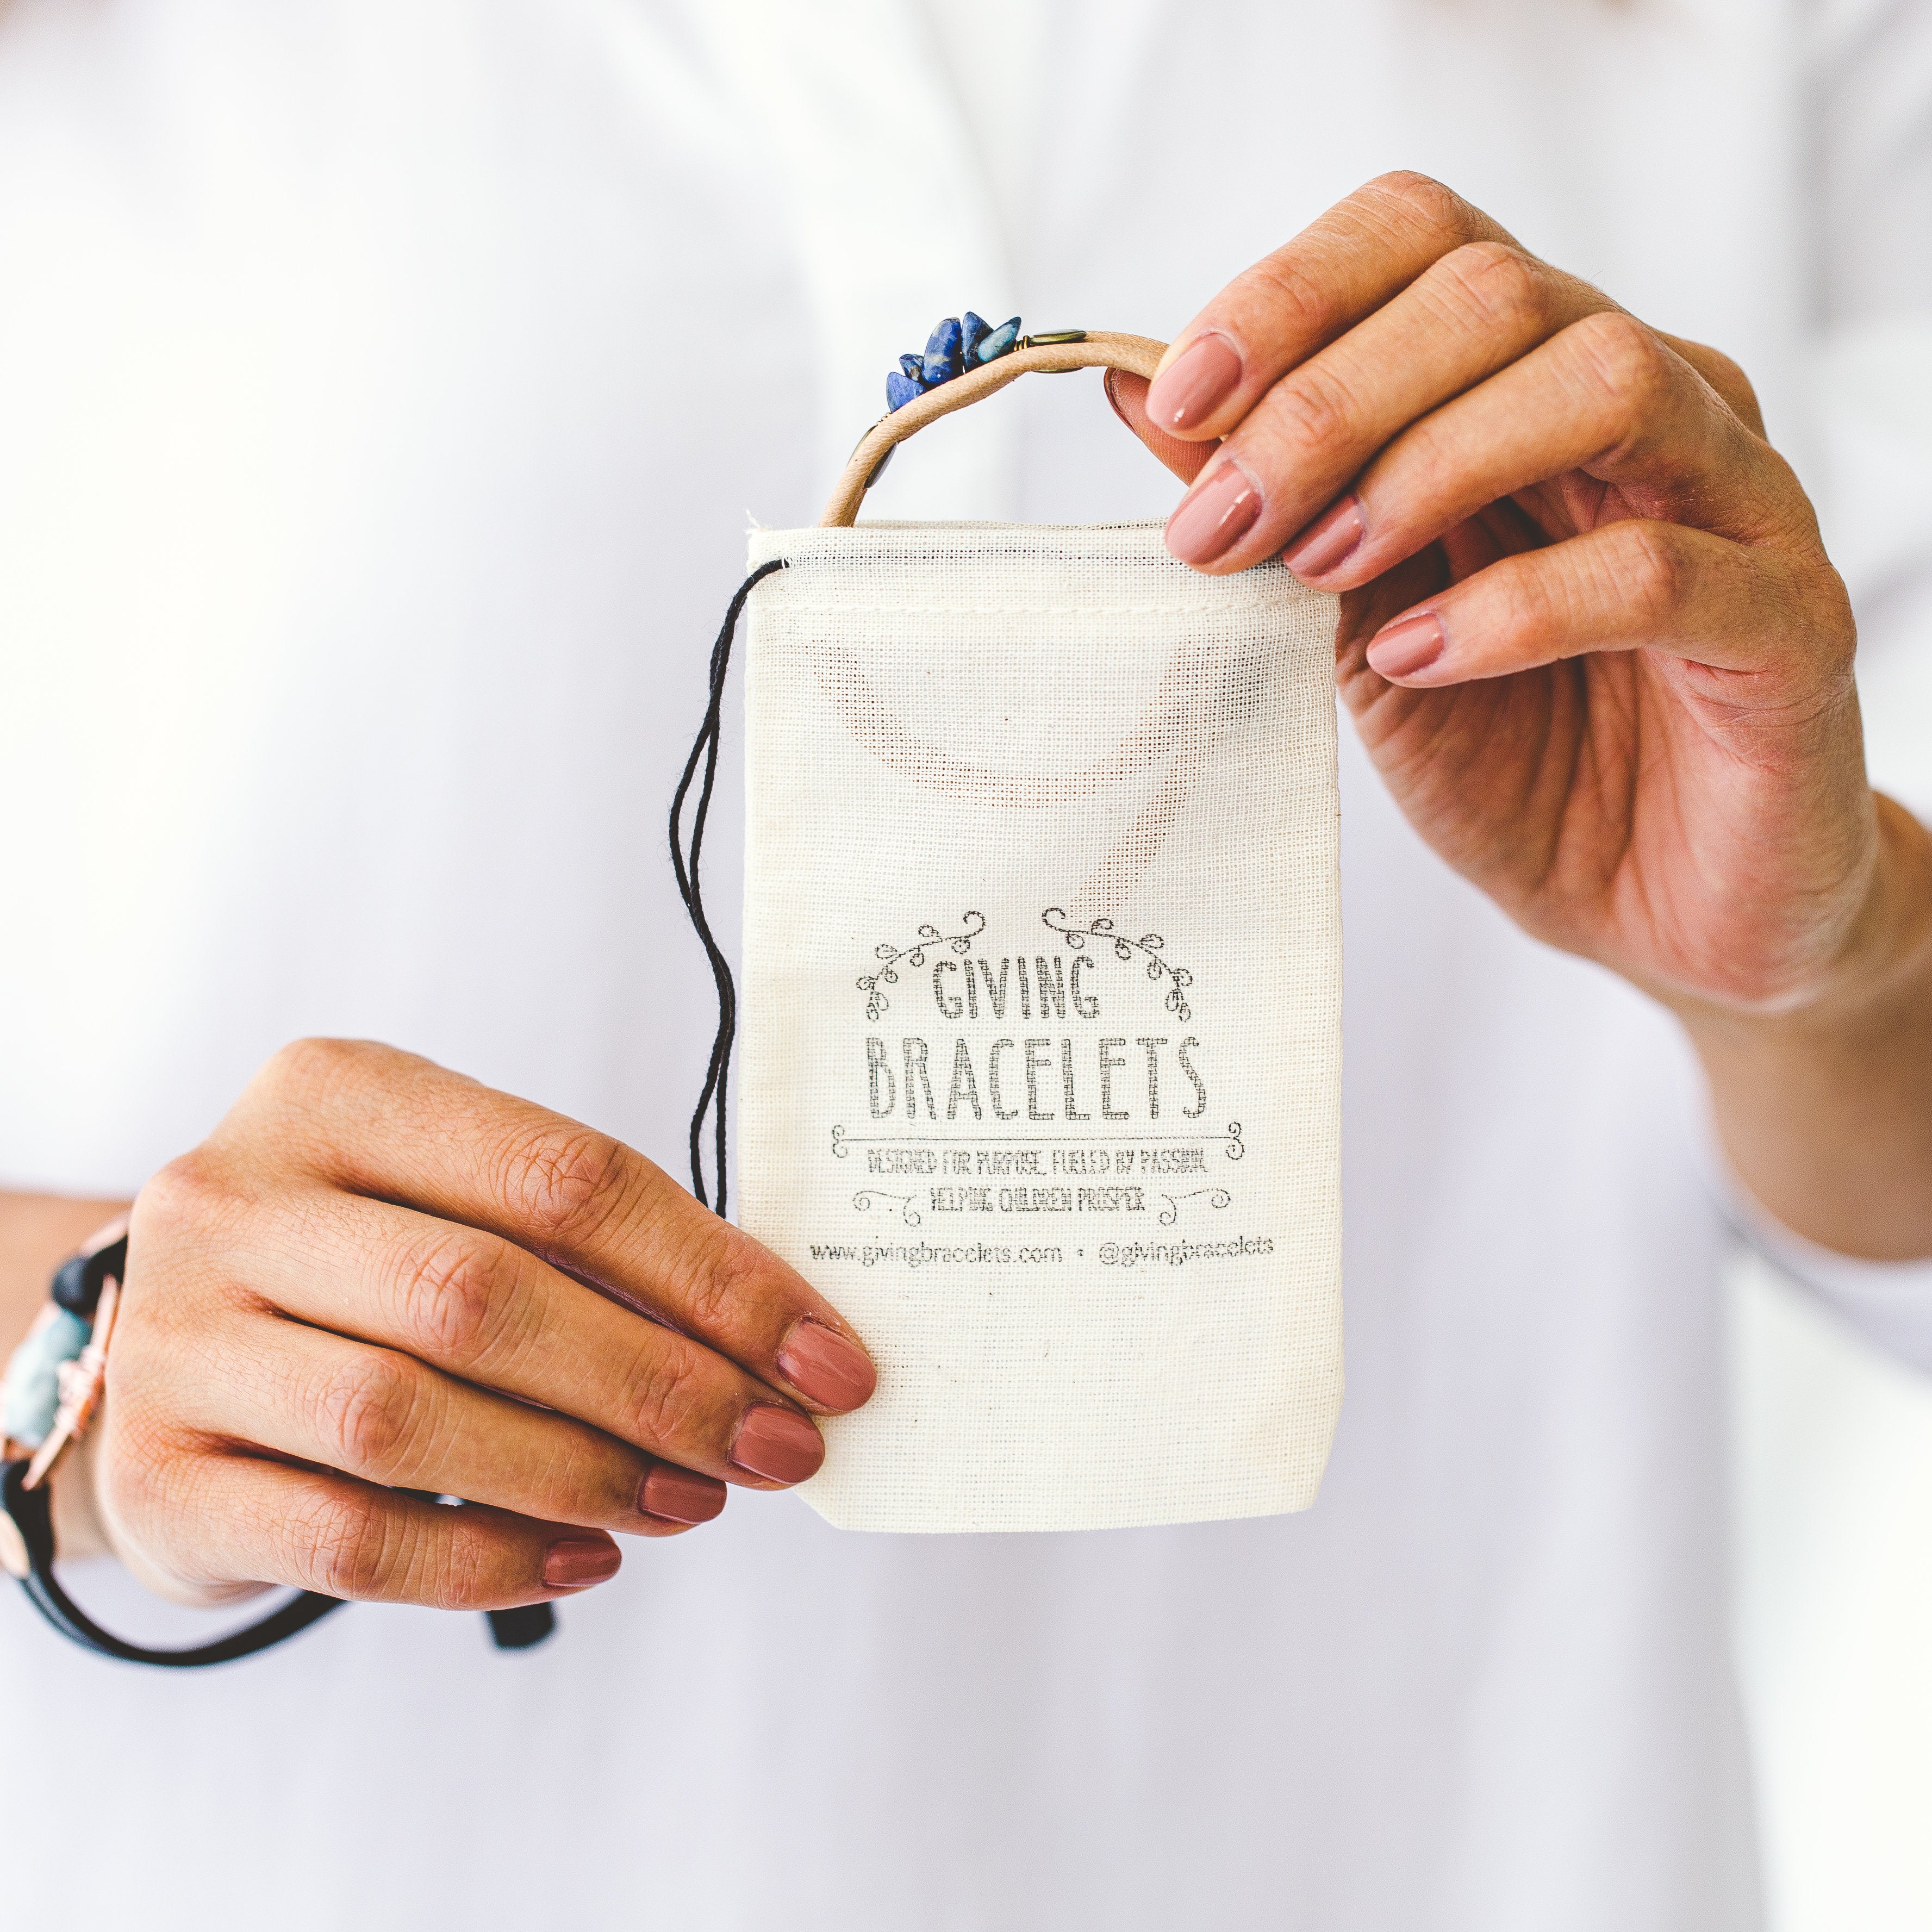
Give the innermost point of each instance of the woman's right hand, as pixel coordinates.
(370, 1279)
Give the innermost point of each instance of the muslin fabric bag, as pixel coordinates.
(1041, 1008)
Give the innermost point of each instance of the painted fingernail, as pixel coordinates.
(1214, 515)
(1408, 645)
(777, 1444)
(1195, 384)
(1328, 541)
(575, 1562)
(680, 1495)
(824, 1367)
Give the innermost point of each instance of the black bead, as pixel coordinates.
(77, 1281)
(518, 1629)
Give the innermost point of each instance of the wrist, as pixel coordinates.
(38, 1232)
(1887, 955)
(1881, 968)
(1825, 1106)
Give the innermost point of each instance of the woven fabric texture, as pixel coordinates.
(1041, 1017)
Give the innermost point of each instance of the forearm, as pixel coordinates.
(1826, 1113)
(38, 1231)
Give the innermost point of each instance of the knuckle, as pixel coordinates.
(304, 1097)
(1733, 386)
(307, 1066)
(1313, 410)
(719, 1283)
(1651, 568)
(665, 1400)
(371, 1547)
(1527, 603)
(1826, 592)
(1440, 207)
(374, 1414)
(586, 1477)
(454, 1571)
(346, 1543)
(562, 1182)
(188, 1219)
(1629, 363)
(1500, 283)
(1296, 304)
(178, 1197)
(457, 1292)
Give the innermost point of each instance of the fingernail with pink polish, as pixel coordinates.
(824, 1367)
(576, 1562)
(1409, 645)
(673, 1495)
(777, 1444)
(1329, 541)
(1195, 384)
(1214, 515)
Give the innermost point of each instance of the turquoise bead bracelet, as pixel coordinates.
(30, 1397)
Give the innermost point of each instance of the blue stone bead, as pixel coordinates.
(942, 353)
(914, 366)
(900, 390)
(31, 1398)
(973, 332)
(999, 340)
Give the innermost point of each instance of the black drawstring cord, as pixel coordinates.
(684, 862)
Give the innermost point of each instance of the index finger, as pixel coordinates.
(399, 1128)
(1344, 265)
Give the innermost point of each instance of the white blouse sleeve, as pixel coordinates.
(1869, 69)
(1890, 1302)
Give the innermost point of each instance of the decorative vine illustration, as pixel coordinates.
(908, 1214)
(891, 956)
(1149, 946)
(1217, 1197)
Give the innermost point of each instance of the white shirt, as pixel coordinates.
(382, 394)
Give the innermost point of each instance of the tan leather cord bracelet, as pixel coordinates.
(1057, 354)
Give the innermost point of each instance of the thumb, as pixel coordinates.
(1128, 394)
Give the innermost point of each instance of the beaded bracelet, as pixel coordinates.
(54, 1379)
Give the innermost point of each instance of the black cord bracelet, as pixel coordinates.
(32, 1512)
(33, 1516)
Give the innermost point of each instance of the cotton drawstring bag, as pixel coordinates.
(1041, 1003)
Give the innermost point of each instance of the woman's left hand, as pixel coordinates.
(1591, 640)
(1589, 634)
